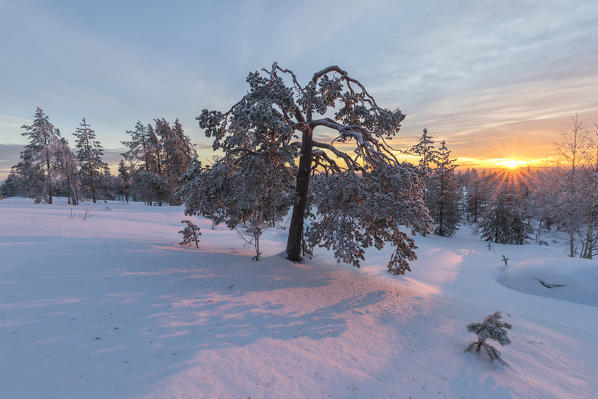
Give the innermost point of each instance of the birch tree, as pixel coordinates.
(573, 149)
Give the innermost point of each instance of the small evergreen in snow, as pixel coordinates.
(490, 328)
(190, 233)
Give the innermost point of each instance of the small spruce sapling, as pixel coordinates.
(490, 328)
(190, 233)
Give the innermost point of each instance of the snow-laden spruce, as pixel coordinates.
(278, 119)
(156, 158)
(65, 162)
(93, 169)
(502, 219)
(442, 191)
(491, 328)
(36, 163)
(427, 154)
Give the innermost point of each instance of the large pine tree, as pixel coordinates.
(89, 155)
(280, 118)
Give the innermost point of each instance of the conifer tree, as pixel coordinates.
(444, 193)
(177, 151)
(427, 158)
(13, 185)
(36, 159)
(491, 328)
(138, 148)
(150, 188)
(427, 154)
(89, 155)
(66, 163)
(124, 174)
(179, 154)
(155, 151)
(502, 220)
(279, 117)
(477, 194)
(30, 180)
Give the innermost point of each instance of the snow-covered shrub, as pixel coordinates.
(490, 328)
(248, 191)
(150, 188)
(190, 233)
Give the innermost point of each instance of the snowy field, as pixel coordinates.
(113, 307)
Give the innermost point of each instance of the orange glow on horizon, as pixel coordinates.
(510, 163)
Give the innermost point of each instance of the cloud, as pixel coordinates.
(481, 74)
(9, 156)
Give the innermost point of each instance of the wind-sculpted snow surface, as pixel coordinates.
(567, 279)
(112, 307)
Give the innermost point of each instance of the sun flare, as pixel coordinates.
(511, 163)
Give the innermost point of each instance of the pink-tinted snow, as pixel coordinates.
(113, 307)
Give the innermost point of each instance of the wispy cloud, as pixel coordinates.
(489, 77)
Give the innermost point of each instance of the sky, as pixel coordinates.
(495, 79)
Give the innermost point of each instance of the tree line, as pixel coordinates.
(156, 156)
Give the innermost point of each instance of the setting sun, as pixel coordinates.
(510, 163)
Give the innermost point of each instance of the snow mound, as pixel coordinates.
(567, 279)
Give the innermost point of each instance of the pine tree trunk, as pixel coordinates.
(301, 191)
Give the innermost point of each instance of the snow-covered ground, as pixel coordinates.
(113, 307)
